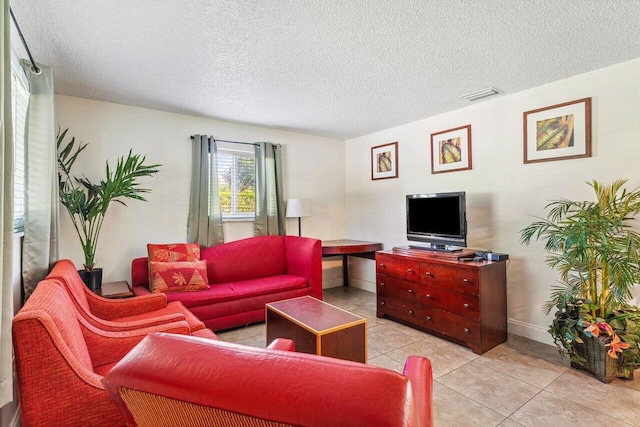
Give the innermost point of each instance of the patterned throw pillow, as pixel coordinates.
(178, 276)
(174, 252)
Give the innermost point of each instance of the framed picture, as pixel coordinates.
(558, 132)
(451, 150)
(384, 161)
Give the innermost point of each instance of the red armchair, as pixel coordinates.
(61, 358)
(124, 314)
(183, 381)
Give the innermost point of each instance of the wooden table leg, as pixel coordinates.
(345, 270)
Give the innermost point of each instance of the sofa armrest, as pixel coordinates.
(109, 309)
(140, 272)
(283, 344)
(418, 370)
(107, 347)
(304, 259)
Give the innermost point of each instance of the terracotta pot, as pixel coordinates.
(604, 367)
(92, 278)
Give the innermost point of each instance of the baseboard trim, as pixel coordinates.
(527, 330)
(362, 284)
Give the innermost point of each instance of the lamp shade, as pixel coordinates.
(297, 208)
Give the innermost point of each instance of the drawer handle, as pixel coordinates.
(466, 330)
(410, 311)
(381, 283)
(382, 303)
(410, 291)
(428, 317)
(428, 273)
(466, 280)
(382, 265)
(409, 270)
(428, 295)
(465, 305)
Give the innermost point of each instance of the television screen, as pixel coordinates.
(438, 219)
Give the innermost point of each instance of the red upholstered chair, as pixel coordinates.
(61, 358)
(174, 380)
(124, 314)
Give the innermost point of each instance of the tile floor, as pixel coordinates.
(519, 383)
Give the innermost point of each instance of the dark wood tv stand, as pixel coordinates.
(464, 302)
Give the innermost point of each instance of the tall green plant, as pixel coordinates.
(593, 246)
(87, 202)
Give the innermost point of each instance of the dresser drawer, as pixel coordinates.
(462, 304)
(451, 325)
(397, 266)
(457, 279)
(392, 287)
(399, 309)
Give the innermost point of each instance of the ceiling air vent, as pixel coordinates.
(482, 93)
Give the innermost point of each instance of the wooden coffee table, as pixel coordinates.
(318, 328)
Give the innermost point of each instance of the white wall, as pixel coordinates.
(314, 168)
(503, 194)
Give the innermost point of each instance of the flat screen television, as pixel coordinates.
(439, 219)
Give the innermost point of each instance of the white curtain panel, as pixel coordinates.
(6, 214)
(40, 246)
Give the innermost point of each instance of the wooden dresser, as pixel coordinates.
(464, 302)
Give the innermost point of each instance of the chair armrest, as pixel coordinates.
(418, 370)
(107, 347)
(283, 344)
(304, 259)
(115, 326)
(108, 309)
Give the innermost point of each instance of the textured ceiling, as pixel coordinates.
(328, 67)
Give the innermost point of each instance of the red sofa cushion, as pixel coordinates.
(172, 252)
(239, 290)
(178, 276)
(246, 259)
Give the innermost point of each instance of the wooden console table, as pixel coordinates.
(345, 248)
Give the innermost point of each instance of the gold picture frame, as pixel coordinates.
(558, 132)
(384, 161)
(451, 150)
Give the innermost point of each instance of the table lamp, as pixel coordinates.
(298, 208)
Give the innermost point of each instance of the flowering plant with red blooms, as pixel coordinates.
(615, 345)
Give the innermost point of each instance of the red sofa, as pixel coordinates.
(243, 276)
(185, 381)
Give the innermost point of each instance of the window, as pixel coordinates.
(237, 184)
(19, 104)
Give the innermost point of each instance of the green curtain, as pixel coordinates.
(204, 224)
(269, 193)
(6, 214)
(41, 218)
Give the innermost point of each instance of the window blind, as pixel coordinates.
(20, 103)
(236, 184)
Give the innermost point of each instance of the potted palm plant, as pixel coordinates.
(596, 250)
(87, 202)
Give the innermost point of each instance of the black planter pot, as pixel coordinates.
(93, 278)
